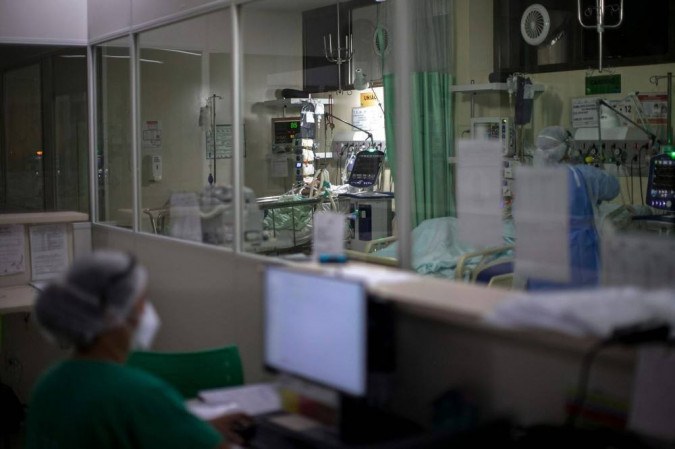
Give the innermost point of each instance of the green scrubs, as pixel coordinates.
(89, 404)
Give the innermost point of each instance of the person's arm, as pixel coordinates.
(227, 426)
(609, 187)
(601, 185)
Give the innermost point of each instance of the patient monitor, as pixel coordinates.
(661, 185)
(495, 128)
(366, 168)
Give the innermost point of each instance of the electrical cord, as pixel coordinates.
(632, 181)
(634, 335)
(582, 385)
(642, 196)
(627, 184)
(377, 99)
(368, 133)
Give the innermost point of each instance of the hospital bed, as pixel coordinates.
(288, 220)
(437, 252)
(490, 266)
(207, 216)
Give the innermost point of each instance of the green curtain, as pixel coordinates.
(432, 143)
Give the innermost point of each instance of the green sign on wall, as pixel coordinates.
(603, 84)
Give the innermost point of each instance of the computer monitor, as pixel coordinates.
(316, 328)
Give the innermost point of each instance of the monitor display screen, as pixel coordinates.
(284, 130)
(315, 328)
(366, 168)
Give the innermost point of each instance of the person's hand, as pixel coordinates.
(229, 426)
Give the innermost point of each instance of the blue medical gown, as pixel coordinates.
(587, 187)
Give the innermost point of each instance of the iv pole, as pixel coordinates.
(600, 24)
(212, 100)
(339, 55)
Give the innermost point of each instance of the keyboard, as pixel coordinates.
(273, 436)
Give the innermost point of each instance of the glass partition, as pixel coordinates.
(314, 124)
(186, 130)
(71, 143)
(515, 152)
(43, 129)
(114, 152)
(568, 163)
(25, 170)
(472, 80)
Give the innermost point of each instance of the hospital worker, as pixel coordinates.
(92, 400)
(587, 187)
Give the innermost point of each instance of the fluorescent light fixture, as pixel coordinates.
(154, 61)
(193, 53)
(113, 57)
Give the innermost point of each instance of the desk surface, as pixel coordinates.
(454, 300)
(43, 217)
(455, 303)
(463, 301)
(17, 298)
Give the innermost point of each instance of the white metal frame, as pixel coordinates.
(403, 55)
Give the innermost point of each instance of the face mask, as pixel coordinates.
(148, 325)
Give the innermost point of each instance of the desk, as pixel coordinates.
(17, 298)
(273, 436)
(43, 217)
(443, 343)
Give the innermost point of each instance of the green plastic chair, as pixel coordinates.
(191, 372)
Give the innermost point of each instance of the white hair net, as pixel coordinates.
(552, 143)
(95, 294)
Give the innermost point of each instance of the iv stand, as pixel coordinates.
(340, 55)
(600, 24)
(212, 100)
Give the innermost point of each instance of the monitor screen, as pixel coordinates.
(366, 168)
(315, 328)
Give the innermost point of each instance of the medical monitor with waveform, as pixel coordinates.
(366, 168)
(316, 328)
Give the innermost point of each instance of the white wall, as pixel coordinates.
(474, 40)
(504, 373)
(107, 17)
(208, 296)
(147, 10)
(43, 22)
(205, 296)
(171, 94)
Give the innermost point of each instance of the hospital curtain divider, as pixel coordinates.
(432, 122)
(432, 136)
